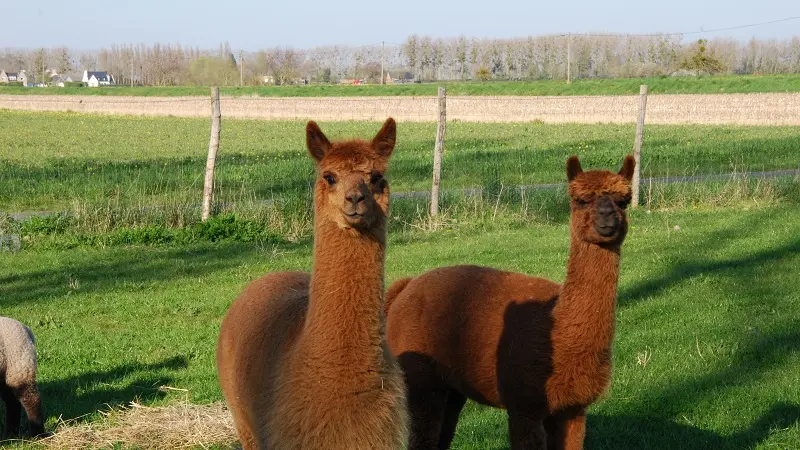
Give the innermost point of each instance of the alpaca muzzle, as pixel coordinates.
(606, 221)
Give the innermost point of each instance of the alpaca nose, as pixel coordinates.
(605, 208)
(355, 197)
(606, 219)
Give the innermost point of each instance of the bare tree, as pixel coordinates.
(40, 65)
(532, 57)
(412, 54)
(437, 58)
(461, 57)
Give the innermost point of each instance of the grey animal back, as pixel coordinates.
(17, 352)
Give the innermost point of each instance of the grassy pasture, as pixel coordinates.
(706, 354)
(614, 86)
(64, 161)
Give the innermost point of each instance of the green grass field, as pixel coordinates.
(712, 307)
(615, 86)
(55, 161)
(126, 292)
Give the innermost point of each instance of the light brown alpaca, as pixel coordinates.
(538, 349)
(302, 358)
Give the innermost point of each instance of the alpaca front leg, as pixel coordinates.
(566, 430)
(246, 439)
(575, 431)
(526, 432)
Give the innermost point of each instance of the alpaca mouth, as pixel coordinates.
(354, 218)
(606, 231)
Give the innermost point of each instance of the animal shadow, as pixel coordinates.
(643, 432)
(74, 397)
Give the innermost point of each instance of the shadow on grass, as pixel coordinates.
(73, 397)
(685, 271)
(649, 432)
(648, 423)
(653, 418)
(87, 273)
(741, 267)
(653, 432)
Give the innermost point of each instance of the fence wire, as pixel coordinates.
(508, 150)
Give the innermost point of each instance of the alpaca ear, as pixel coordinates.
(316, 142)
(573, 167)
(627, 167)
(383, 143)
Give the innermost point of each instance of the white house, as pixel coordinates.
(23, 78)
(95, 79)
(6, 77)
(60, 80)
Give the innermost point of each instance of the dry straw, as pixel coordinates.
(180, 425)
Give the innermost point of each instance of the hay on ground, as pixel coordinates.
(178, 426)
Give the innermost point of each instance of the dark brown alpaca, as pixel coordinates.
(538, 349)
(302, 358)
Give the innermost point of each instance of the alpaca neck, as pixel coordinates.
(587, 304)
(343, 322)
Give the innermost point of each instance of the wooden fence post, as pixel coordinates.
(213, 147)
(438, 150)
(637, 145)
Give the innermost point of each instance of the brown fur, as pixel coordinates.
(538, 349)
(16, 399)
(302, 358)
(394, 290)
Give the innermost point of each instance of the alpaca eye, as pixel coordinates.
(623, 203)
(376, 177)
(330, 179)
(580, 202)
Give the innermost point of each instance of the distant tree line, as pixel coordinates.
(595, 56)
(419, 58)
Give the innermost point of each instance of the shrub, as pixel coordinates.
(483, 74)
(701, 61)
(650, 69)
(55, 224)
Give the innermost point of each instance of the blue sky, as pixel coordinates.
(250, 25)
